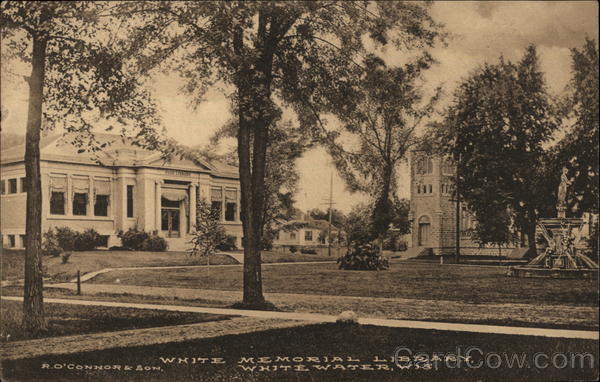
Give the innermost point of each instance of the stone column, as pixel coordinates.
(91, 194)
(157, 205)
(192, 207)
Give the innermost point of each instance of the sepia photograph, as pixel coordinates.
(320, 190)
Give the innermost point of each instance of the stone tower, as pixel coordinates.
(432, 209)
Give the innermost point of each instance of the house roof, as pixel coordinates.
(311, 223)
(118, 152)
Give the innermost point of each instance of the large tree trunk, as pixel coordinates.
(33, 308)
(382, 216)
(255, 117)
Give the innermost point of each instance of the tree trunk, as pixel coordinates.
(33, 308)
(254, 91)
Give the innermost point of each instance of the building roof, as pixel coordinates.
(310, 223)
(119, 152)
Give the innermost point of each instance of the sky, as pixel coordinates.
(479, 32)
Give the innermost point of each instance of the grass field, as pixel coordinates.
(89, 261)
(403, 280)
(12, 261)
(72, 319)
(322, 342)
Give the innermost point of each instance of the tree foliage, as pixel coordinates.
(77, 77)
(383, 112)
(496, 129)
(266, 56)
(208, 233)
(578, 150)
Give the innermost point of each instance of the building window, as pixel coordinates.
(430, 189)
(447, 167)
(129, 201)
(101, 196)
(23, 184)
(424, 166)
(308, 236)
(230, 210)
(23, 240)
(12, 186)
(230, 205)
(277, 235)
(11, 241)
(216, 196)
(80, 201)
(293, 235)
(57, 203)
(3, 187)
(101, 205)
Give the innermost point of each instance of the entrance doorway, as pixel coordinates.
(170, 218)
(424, 226)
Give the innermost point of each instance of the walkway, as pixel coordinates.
(137, 337)
(312, 317)
(397, 308)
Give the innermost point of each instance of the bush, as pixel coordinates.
(364, 257)
(87, 240)
(66, 238)
(154, 243)
(133, 239)
(50, 246)
(308, 251)
(228, 244)
(293, 249)
(65, 257)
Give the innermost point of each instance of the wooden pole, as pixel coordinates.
(78, 283)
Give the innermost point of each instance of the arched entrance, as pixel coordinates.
(423, 232)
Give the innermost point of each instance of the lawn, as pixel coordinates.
(64, 319)
(404, 280)
(307, 353)
(89, 261)
(12, 261)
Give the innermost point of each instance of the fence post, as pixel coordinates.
(78, 283)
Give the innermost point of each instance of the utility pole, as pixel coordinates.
(330, 203)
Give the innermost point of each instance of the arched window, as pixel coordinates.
(424, 219)
(447, 167)
(424, 166)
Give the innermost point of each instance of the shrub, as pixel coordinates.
(364, 257)
(209, 233)
(133, 238)
(50, 246)
(308, 251)
(65, 257)
(154, 243)
(66, 238)
(228, 244)
(293, 249)
(87, 240)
